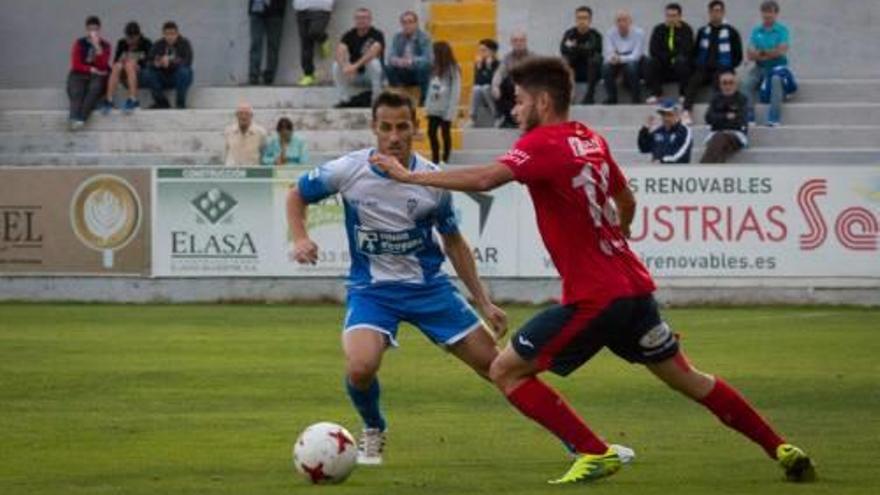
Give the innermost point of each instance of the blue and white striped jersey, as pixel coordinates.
(390, 226)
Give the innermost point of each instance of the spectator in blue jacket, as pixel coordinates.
(718, 48)
(411, 56)
(671, 142)
(768, 47)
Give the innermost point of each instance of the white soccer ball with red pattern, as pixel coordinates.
(325, 453)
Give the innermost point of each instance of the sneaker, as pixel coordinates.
(686, 118)
(370, 447)
(76, 124)
(307, 80)
(652, 100)
(130, 106)
(106, 107)
(796, 463)
(773, 123)
(626, 454)
(590, 467)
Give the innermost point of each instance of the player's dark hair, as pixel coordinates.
(549, 74)
(93, 20)
(490, 44)
(584, 8)
(674, 6)
(394, 99)
(132, 29)
(717, 3)
(169, 25)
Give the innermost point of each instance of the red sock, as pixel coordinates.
(538, 401)
(735, 411)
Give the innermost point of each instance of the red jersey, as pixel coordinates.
(572, 177)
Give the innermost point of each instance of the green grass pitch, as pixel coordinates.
(102, 399)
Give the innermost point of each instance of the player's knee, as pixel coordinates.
(361, 373)
(500, 375)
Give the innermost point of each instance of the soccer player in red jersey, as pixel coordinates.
(584, 210)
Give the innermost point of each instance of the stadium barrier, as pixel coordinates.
(699, 222)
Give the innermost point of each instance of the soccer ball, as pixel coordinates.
(325, 453)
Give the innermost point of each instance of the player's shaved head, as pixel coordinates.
(545, 74)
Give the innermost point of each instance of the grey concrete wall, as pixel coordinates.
(38, 34)
(830, 38)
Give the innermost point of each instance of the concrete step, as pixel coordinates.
(759, 136)
(800, 156)
(161, 142)
(794, 113)
(109, 159)
(220, 97)
(199, 97)
(38, 121)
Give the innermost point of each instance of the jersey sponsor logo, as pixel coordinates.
(582, 147)
(516, 157)
(377, 242)
(656, 337)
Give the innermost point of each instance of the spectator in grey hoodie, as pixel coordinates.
(624, 51)
(441, 105)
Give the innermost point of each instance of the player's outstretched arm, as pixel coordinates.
(304, 249)
(462, 258)
(475, 178)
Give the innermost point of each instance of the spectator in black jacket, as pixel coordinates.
(671, 49)
(170, 67)
(718, 48)
(267, 21)
(132, 53)
(581, 47)
(671, 142)
(482, 103)
(727, 117)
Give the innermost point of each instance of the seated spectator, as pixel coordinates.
(441, 105)
(502, 84)
(358, 62)
(623, 51)
(482, 102)
(581, 47)
(285, 148)
(409, 63)
(718, 49)
(727, 119)
(89, 67)
(245, 141)
(267, 22)
(131, 56)
(768, 46)
(670, 142)
(312, 18)
(671, 48)
(170, 67)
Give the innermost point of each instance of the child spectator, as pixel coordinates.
(441, 104)
(170, 67)
(285, 148)
(132, 53)
(482, 102)
(671, 142)
(89, 67)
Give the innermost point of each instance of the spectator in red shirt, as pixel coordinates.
(89, 68)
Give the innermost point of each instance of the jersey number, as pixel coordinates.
(603, 213)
